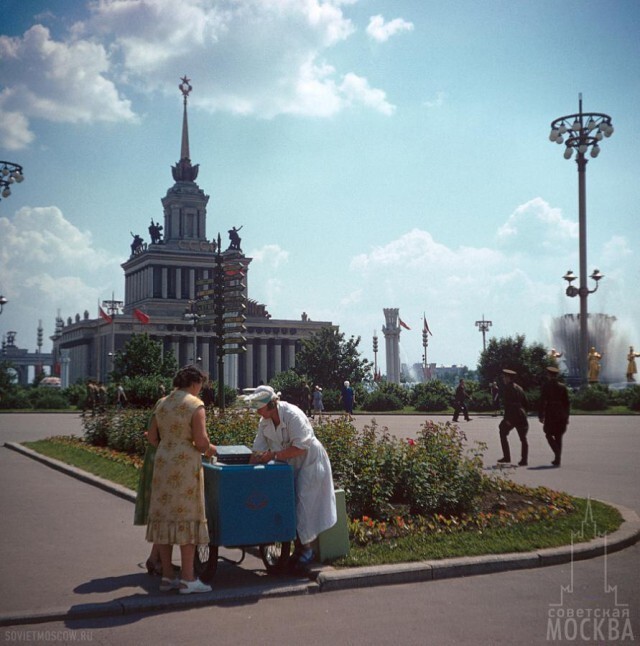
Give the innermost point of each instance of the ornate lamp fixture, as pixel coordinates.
(582, 132)
(10, 173)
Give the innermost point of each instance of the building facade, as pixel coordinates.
(164, 281)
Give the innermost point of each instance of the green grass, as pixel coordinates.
(521, 537)
(84, 457)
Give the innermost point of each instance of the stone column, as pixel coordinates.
(249, 363)
(263, 361)
(277, 357)
(291, 355)
(205, 354)
(391, 333)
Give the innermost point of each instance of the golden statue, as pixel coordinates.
(554, 354)
(594, 365)
(631, 364)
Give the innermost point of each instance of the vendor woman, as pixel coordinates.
(285, 434)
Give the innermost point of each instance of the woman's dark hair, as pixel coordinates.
(189, 375)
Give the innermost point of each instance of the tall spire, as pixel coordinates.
(184, 171)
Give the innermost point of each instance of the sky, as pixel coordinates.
(378, 154)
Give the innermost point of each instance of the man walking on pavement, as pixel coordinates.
(554, 412)
(515, 416)
(459, 402)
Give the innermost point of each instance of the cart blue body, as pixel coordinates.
(248, 505)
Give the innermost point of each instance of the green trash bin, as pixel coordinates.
(334, 542)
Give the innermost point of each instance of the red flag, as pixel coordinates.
(105, 316)
(404, 325)
(141, 316)
(426, 326)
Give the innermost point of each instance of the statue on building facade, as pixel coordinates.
(155, 232)
(137, 243)
(234, 239)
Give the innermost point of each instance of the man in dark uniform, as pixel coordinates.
(515, 416)
(554, 412)
(459, 403)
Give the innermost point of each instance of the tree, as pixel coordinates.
(327, 359)
(142, 357)
(529, 361)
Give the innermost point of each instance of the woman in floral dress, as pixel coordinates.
(176, 510)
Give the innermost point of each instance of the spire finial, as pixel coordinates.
(183, 170)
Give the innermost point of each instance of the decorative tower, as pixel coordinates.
(391, 333)
(185, 204)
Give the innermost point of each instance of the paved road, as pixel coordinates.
(72, 541)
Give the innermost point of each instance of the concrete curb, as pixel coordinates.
(326, 578)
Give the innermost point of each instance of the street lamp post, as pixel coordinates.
(375, 355)
(10, 173)
(3, 302)
(582, 132)
(484, 326)
(191, 314)
(112, 308)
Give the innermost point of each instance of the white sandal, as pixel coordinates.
(190, 587)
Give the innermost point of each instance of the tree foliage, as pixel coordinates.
(142, 357)
(529, 361)
(327, 359)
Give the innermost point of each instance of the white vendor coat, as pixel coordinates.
(313, 481)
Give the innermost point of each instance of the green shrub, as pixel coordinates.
(332, 399)
(15, 398)
(233, 426)
(76, 395)
(382, 401)
(141, 392)
(291, 388)
(595, 397)
(381, 473)
(630, 397)
(47, 398)
(97, 428)
(481, 401)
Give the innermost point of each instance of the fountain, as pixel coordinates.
(565, 336)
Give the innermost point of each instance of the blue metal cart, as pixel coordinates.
(248, 505)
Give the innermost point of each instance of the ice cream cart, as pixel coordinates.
(248, 505)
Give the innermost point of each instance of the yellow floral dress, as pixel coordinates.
(177, 511)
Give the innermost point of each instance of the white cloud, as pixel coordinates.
(536, 225)
(47, 263)
(56, 81)
(249, 57)
(270, 256)
(381, 31)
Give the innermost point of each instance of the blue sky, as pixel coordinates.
(379, 153)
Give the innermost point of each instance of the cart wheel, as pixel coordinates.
(275, 556)
(206, 562)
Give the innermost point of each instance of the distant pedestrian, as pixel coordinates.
(515, 416)
(347, 397)
(318, 406)
(553, 412)
(459, 402)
